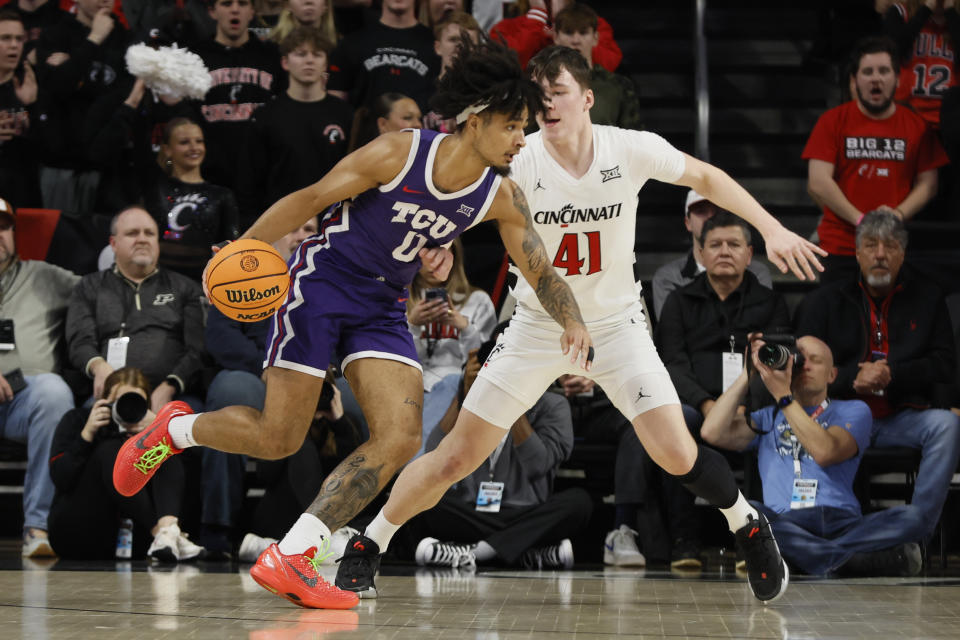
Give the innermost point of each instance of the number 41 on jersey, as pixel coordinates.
(568, 255)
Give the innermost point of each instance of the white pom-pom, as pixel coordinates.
(171, 71)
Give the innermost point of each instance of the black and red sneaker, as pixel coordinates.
(767, 573)
(358, 566)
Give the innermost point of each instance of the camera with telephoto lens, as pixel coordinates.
(128, 410)
(776, 351)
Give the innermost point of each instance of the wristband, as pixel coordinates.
(785, 401)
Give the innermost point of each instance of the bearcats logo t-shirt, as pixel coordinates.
(875, 162)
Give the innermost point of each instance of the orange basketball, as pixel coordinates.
(247, 280)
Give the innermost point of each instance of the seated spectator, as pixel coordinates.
(808, 449)
(313, 14)
(291, 484)
(529, 33)
(389, 112)
(288, 244)
(507, 510)
(615, 97)
(680, 272)
(296, 138)
(892, 341)
(868, 153)
(18, 95)
(78, 60)
(926, 33)
(191, 213)
(448, 34)
(246, 73)
(701, 334)
(86, 508)
(33, 396)
(137, 314)
(394, 54)
(448, 319)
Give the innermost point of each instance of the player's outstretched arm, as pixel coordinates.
(370, 166)
(525, 247)
(785, 249)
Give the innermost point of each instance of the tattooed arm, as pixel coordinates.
(526, 249)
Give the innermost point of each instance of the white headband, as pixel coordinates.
(474, 108)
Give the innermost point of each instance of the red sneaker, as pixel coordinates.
(295, 578)
(143, 453)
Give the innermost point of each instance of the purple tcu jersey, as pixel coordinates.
(382, 230)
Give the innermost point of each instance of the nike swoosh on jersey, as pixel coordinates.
(310, 582)
(407, 189)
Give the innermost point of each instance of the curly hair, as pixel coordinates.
(486, 73)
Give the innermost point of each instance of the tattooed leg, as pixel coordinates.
(391, 396)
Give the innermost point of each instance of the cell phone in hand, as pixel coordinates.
(16, 381)
(438, 293)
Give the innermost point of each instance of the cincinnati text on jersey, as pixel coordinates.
(875, 148)
(569, 215)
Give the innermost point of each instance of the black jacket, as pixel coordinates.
(921, 347)
(695, 328)
(161, 315)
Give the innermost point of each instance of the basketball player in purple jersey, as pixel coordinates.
(386, 204)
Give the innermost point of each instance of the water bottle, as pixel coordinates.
(125, 539)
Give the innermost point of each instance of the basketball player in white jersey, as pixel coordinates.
(582, 182)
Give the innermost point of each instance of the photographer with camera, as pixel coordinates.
(890, 333)
(448, 318)
(86, 510)
(808, 448)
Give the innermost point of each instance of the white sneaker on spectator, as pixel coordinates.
(252, 546)
(431, 551)
(37, 545)
(187, 550)
(165, 546)
(620, 548)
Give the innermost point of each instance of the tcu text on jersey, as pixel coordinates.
(438, 226)
(875, 148)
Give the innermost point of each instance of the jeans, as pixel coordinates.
(221, 474)
(32, 418)
(435, 405)
(936, 433)
(819, 540)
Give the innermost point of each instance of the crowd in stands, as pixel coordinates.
(88, 358)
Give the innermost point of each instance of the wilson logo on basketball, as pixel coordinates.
(249, 263)
(251, 294)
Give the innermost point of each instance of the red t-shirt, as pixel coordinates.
(928, 71)
(875, 162)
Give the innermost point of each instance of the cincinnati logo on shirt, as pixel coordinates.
(569, 215)
(875, 148)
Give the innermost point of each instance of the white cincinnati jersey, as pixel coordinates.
(588, 224)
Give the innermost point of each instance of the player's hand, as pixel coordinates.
(576, 341)
(214, 249)
(438, 261)
(788, 251)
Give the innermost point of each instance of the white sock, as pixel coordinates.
(306, 532)
(181, 430)
(739, 514)
(381, 531)
(483, 552)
